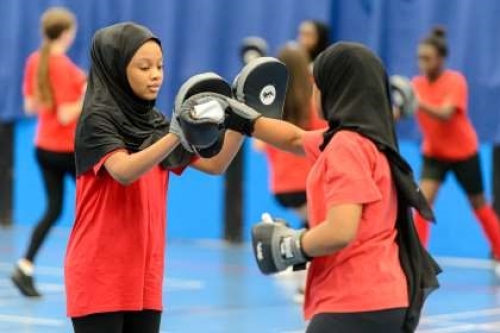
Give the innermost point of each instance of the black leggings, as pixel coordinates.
(385, 321)
(54, 166)
(146, 321)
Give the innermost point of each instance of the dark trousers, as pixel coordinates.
(384, 321)
(146, 321)
(6, 172)
(53, 166)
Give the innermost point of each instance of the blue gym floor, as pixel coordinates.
(212, 287)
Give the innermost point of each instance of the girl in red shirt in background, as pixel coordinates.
(450, 142)
(368, 270)
(288, 172)
(114, 265)
(53, 90)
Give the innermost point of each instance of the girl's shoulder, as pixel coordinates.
(354, 143)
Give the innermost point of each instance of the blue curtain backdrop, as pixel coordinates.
(197, 35)
(203, 35)
(394, 27)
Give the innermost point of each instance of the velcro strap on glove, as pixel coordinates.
(202, 120)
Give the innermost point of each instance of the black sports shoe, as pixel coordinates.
(24, 283)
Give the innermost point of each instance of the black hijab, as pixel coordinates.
(113, 117)
(355, 96)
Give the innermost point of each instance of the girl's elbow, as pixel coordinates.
(124, 181)
(296, 145)
(342, 242)
(122, 178)
(216, 169)
(213, 166)
(221, 170)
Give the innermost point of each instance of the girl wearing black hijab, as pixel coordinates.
(124, 156)
(368, 271)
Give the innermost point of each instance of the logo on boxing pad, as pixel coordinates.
(268, 95)
(260, 255)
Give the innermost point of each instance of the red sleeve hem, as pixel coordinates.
(97, 167)
(358, 192)
(311, 142)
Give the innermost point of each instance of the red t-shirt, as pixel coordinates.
(67, 83)
(115, 255)
(366, 275)
(288, 172)
(453, 139)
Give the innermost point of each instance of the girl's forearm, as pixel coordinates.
(281, 134)
(127, 168)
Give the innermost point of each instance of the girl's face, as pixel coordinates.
(429, 61)
(316, 95)
(308, 36)
(145, 71)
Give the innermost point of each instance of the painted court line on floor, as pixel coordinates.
(4, 283)
(458, 262)
(39, 270)
(463, 328)
(462, 315)
(39, 321)
(171, 284)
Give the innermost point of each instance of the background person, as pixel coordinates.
(450, 143)
(53, 90)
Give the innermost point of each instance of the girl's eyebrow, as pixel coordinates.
(148, 59)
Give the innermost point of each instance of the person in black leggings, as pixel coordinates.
(53, 89)
(54, 167)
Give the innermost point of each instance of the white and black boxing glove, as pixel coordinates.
(201, 122)
(277, 246)
(238, 116)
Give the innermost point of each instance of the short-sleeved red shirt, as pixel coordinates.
(366, 275)
(67, 83)
(115, 255)
(288, 172)
(453, 139)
